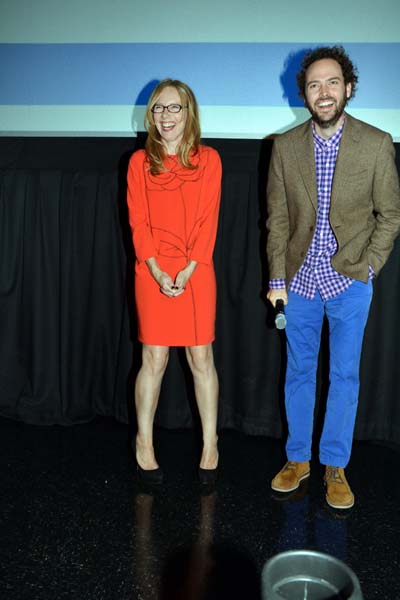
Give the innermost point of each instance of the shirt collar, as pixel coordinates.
(332, 142)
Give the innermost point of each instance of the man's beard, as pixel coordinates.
(327, 123)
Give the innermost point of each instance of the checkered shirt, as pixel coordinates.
(317, 273)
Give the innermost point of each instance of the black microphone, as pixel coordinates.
(280, 319)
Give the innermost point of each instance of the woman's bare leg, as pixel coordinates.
(147, 392)
(201, 363)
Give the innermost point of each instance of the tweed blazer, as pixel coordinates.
(365, 200)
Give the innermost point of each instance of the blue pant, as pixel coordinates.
(347, 316)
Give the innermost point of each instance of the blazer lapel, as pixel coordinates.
(348, 150)
(304, 149)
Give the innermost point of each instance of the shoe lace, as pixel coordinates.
(333, 474)
(290, 465)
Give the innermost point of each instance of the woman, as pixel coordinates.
(173, 198)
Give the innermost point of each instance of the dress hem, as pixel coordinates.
(175, 345)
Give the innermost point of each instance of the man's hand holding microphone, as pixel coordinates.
(278, 299)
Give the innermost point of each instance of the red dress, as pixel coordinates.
(174, 217)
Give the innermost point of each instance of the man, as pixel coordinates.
(333, 215)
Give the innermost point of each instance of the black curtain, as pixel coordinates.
(68, 348)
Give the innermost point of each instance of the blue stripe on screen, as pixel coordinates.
(233, 74)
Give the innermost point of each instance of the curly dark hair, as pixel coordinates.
(338, 53)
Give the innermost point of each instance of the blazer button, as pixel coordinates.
(311, 228)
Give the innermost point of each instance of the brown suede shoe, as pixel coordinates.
(338, 492)
(289, 478)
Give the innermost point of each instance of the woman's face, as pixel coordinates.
(170, 125)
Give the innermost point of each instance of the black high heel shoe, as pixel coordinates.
(208, 476)
(150, 476)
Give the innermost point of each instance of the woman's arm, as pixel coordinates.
(137, 207)
(203, 246)
(167, 286)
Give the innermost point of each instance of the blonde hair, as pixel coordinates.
(155, 148)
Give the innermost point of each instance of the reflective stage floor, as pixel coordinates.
(76, 524)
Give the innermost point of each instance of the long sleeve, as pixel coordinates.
(207, 223)
(386, 199)
(137, 207)
(278, 218)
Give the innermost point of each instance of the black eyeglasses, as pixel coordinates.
(171, 108)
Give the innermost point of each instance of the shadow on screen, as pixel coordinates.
(139, 107)
(291, 67)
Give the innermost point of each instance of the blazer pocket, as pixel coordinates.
(355, 175)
